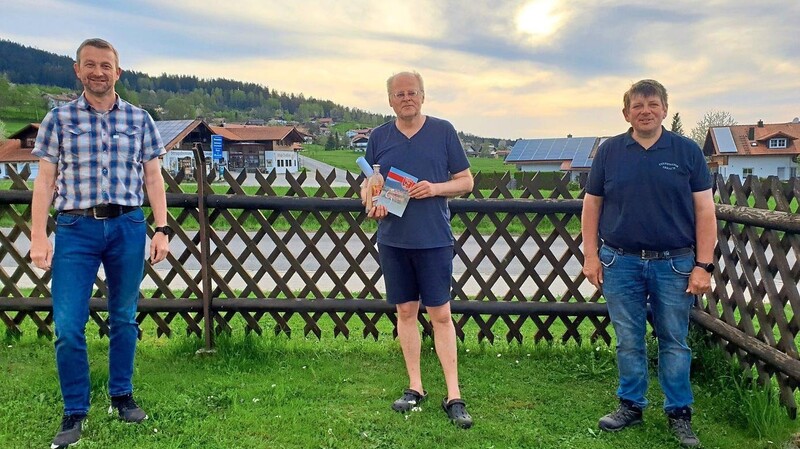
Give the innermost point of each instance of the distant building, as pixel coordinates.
(15, 152)
(359, 142)
(565, 154)
(180, 137)
(56, 100)
(264, 148)
(762, 149)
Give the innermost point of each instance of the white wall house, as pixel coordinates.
(784, 167)
(761, 150)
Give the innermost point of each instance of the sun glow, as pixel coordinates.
(539, 19)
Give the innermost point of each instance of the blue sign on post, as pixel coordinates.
(216, 147)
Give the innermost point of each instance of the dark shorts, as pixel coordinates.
(417, 274)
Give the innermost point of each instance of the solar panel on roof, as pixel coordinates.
(558, 149)
(724, 139)
(170, 129)
(581, 158)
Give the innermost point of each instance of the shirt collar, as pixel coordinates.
(83, 104)
(663, 142)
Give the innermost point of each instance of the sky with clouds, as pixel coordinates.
(507, 69)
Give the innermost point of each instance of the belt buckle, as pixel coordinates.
(649, 255)
(101, 217)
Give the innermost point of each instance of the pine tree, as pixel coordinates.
(677, 126)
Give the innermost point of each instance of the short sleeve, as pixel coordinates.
(700, 179)
(595, 185)
(370, 154)
(456, 157)
(152, 145)
(47, 139)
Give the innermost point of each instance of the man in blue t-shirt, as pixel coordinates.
(416, 250)
(649, 231)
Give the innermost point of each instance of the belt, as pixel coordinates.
(650, 254)
(102, 211)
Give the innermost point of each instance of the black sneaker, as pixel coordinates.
(680, 422)
(70, 432)
(127, 408)
(410, 399)
(626, 415)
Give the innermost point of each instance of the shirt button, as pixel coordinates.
(105, 171)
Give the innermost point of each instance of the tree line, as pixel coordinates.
(181, 96)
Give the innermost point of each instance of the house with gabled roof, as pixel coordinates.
(762, 149)
(264, 148)
(180, 137)
(56, 100)
(359, 142)
(15, 151)
(565, 154)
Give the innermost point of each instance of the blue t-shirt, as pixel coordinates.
(647, 194)
(433, 154)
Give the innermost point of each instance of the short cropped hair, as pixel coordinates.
(96, 42)
(645, 88)
(396, 75)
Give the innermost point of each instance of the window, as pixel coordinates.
(778, 142)
(793, 172)
(747, 172)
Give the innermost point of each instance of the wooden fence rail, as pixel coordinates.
(245, 255)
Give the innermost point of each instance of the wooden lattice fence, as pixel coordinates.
(288, 253)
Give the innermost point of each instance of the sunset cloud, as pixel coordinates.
(532, 68)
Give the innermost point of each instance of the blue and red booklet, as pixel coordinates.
(394, 195)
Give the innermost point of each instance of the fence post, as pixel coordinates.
(202, 219)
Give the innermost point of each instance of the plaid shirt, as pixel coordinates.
(99, 156)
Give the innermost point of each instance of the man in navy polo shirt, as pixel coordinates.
(416, 250)
(649, 231)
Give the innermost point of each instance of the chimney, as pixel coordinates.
(751, 133)
(761, 123)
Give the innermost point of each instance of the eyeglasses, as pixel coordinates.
(408, 94)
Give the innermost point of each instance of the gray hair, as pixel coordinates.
(396, 75)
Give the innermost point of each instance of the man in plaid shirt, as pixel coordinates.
(97, 154)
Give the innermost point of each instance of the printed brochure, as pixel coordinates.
(394, 195)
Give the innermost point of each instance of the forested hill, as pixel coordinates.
(180, 96)
(27, 65)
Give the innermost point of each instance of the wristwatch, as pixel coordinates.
(166, 230)
(709, 267)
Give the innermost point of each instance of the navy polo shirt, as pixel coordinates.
(647, 194)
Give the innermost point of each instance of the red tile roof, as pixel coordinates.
(251, 133)
(11, 151)
(760, 144)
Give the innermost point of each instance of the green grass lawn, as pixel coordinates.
(276, 392)
(13, 126)
(346, 159)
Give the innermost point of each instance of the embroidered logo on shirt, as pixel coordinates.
(668, 166)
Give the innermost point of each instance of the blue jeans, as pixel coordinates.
(81, 244)
(629, 283)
